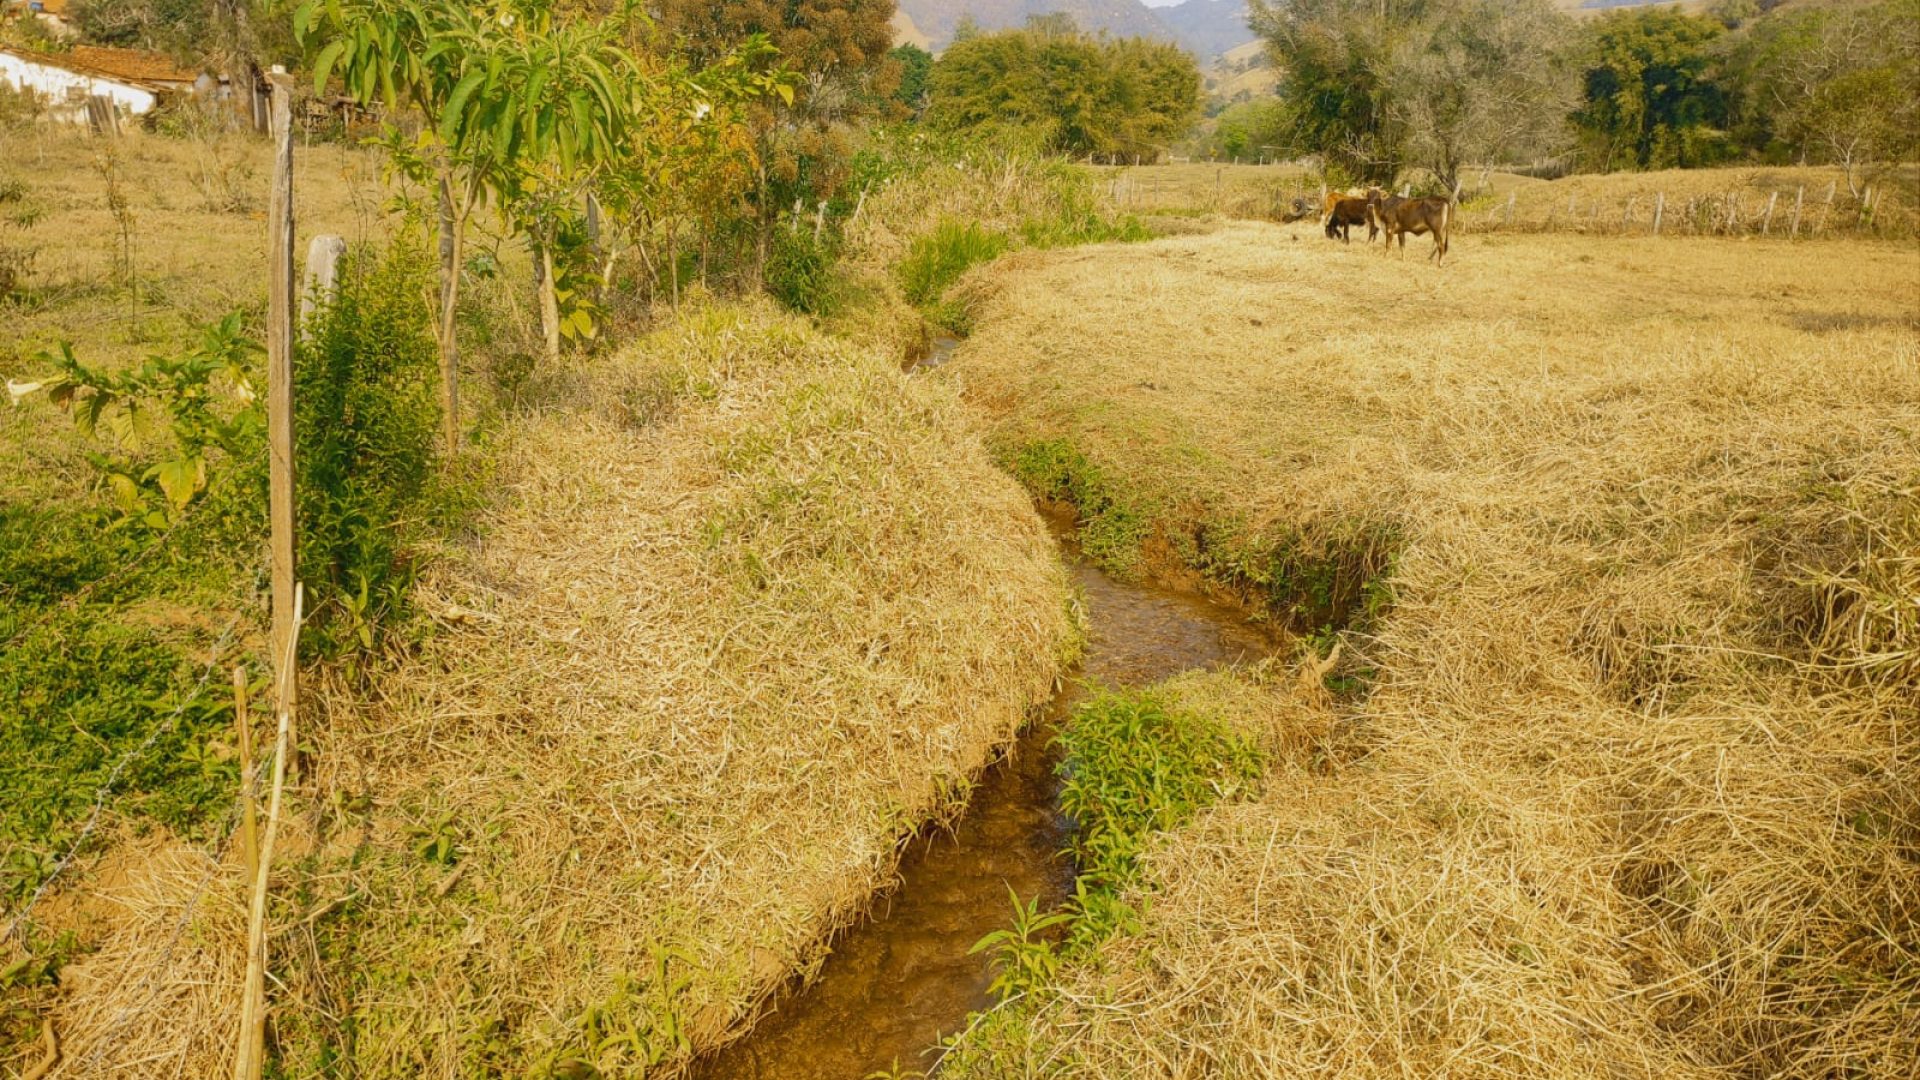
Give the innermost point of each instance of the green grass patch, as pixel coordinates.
(1135, 764)
(1113, 519)
(1333, 576)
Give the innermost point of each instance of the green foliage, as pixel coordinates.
(177, 392)
(916, 64)
(1827, 83)
(1649, 98)
(1135, 766)
(82, 694)
(1024, 958)
(800, 270)
(936, 260)
(1107, 97)
(1113, 522)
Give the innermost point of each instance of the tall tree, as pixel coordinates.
(1335, 57)
(839, 49)
(1649, 99)
(1479, 80)
(915, 62)
(1829, 83)
(1081, 95)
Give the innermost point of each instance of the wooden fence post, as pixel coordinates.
(1510, 209)
(1799, 200)
(1766, 223)
(1659, 210)
(280, 433)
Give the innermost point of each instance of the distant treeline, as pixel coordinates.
(1378, 88)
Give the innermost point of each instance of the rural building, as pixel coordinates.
(134, 81)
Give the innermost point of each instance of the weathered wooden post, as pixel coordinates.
(1799, 200)
(1766, 223)
(322, 278)
(1510, 196)
(280, 433)
(1659, 210)
(1218, 192)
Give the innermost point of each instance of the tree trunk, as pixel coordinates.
(549, 302)
(452, 235)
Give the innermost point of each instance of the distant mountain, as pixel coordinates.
(1208, 27)
(936, 19)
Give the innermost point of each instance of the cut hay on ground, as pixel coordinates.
(753, 606)
(1636, 790)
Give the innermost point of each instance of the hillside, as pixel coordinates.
(936, 19)
(1208, 28)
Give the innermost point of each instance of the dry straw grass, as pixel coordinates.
(1635, 792)
(755, 606)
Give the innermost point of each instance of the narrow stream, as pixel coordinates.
(899, 981)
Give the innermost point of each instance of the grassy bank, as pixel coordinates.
(1632, 791)
(753, 608)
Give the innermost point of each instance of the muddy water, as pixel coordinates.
(898, 982)
(939, 350)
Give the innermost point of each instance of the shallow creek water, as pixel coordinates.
(897, 982)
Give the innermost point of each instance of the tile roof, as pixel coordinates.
(132, 65)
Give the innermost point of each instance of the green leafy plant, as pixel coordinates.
(168, 405)
(1024, 957)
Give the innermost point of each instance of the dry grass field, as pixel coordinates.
(1621, 779)
(1696, 201)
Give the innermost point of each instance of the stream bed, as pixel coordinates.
(902, 979)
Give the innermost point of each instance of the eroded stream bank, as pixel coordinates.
(898, 982)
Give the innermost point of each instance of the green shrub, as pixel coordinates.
(936, 260)
(1133, 766)
(800, 272)
(371, 491)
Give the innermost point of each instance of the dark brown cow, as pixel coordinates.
(1398, 217)
(1344, 213)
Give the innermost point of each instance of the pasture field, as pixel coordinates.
(1619, 542)
(1709, 201)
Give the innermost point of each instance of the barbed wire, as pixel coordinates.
(104, 793)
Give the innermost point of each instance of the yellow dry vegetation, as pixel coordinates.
(751, 608)
(1629, 786)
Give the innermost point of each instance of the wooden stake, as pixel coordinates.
(1799, 200)
(249, 794)
(1766, 223)
(280, 433)
(250, 1058)
(1510, 196)
(1659, 210)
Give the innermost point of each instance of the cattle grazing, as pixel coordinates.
(1343, 213)
(1398, 217)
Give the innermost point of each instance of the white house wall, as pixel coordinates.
(53, 84)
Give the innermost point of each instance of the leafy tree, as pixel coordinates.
(501, 90)
(1829, 83)
(915, 62)
(1648, 98)
(840, 52)
(1083, 95)
(1478, 79)
(1336, 56)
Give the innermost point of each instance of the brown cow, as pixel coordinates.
(1398, 217)
(1343, 213)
